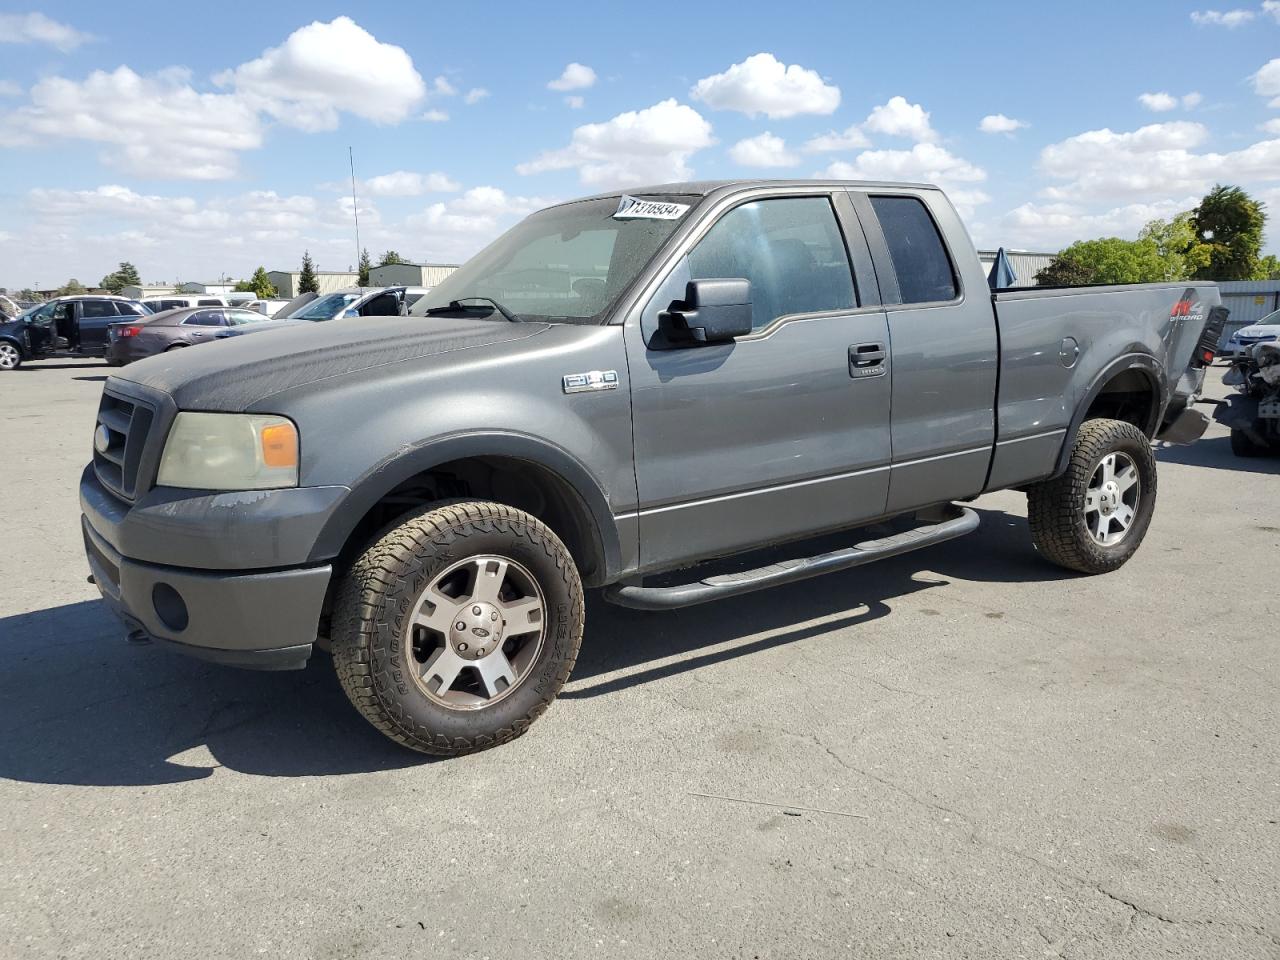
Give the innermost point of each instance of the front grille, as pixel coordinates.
(119, 441)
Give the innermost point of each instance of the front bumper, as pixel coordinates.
(265, 620)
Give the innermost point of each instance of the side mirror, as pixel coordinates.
(712, 311)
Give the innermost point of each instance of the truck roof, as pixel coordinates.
(703, 187)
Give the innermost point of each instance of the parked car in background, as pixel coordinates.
(9, 307)
(266, 307)
(1253, 411)
(355, 302)
(66, 327)
(1266, 330)
(173, 330)
(173, 301)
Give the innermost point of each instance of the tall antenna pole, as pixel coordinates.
(355, 208)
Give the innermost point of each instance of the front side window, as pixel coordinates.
(208, 303)
(919, 257)
(566, 264)
(791, 250)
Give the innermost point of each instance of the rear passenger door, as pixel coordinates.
(203, 325)
(943, 340)
(775, 434)
(95, 317)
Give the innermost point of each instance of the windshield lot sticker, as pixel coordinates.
(633, 208)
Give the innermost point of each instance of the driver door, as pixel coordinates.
(777, 434)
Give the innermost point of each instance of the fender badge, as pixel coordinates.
(592, 380)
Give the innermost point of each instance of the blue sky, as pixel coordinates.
(208, 143)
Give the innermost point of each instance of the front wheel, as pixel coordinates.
(10, 356)
(1093, 517)
(458, 626)
(1243, 445)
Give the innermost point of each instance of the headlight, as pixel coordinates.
(230, 451)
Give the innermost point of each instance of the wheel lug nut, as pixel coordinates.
(493, 616)
(462, 648)
(477, 611)
(459, 625)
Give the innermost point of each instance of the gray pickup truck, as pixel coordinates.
(618, 388)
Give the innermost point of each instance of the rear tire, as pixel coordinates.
(1243, 445)
(457, 627)
(1093, 518)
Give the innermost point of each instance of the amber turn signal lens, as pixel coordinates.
(280, 445)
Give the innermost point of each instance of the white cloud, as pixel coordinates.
(897, 118)
(764, 150)
(1271, 126)
(403, 183)
(1191, 100)
(454, 229)
(9, 89)
(635, 147)
(999, 123)
(434, 116)
(851, 138)
(1151, 162)
(441, 86)
(575, 76)
(1266, 82)
(154, 126)
(38, 28)
(575, 102)
(1272, 7)
(763, 84)
(475, 95)
(923, 162)
(323, 69)
(110, 199)
(1158, 102)
(1222, 18)
(1054, 225)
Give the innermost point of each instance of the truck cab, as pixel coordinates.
(66, 327)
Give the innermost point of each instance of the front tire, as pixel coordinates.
(458, 626)
(1243, 445)
(1093, 518)
(10, 356)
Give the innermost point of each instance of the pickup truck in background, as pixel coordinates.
(621, 387)
(66, 327)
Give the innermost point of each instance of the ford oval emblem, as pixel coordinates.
(101, 439)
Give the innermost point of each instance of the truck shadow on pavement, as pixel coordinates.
(1215, 453)
(80, 706)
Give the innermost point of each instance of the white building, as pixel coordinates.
(286, 281)
(410, 274)
(137, 291)
(216, 288)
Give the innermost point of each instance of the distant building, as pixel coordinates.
(1025, 264)
(286, 281)
(410, 274)
(137, 291)
(217, 288)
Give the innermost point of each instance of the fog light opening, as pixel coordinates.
(170, 607)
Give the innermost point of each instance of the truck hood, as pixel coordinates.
(234, 373)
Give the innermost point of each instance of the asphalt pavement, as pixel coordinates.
(962, 752)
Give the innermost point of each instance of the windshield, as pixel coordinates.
(326, 308)
(567, 264)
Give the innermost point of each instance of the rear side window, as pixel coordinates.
(789, 248)
(205, 318)
(91, 309)
(208, 303)
(130, 309)
(916, 249)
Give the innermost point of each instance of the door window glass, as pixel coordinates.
(916, 249)
(789, 248)
(205, 318)
(93, 309)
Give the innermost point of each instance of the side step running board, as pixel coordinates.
(961, 521)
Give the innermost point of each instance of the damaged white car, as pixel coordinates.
(1253, 414)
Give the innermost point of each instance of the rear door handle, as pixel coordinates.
(867, 360)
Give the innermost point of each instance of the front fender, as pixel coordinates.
(408, 463)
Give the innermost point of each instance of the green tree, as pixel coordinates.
(1108, 260)
(243, 286)
(391, 256)
(1230, 223)
(261, 285)
(26, 294)
(365, 265)
(1177, 246)
(307, 282)
(1268, 268)
(71, 288)
(125, 275)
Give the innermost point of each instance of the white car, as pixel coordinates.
(1266, 330)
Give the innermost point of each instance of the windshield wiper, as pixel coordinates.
(455, 305)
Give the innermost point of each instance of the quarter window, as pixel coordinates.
(919, 257)
(789, 248)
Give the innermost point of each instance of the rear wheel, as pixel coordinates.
(457, 627)
(176, 346)
(1243, 445)
(10, 356)
(1093, 517)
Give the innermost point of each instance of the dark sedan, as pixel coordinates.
(175, 329)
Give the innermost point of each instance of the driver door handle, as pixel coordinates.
(867, 360)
